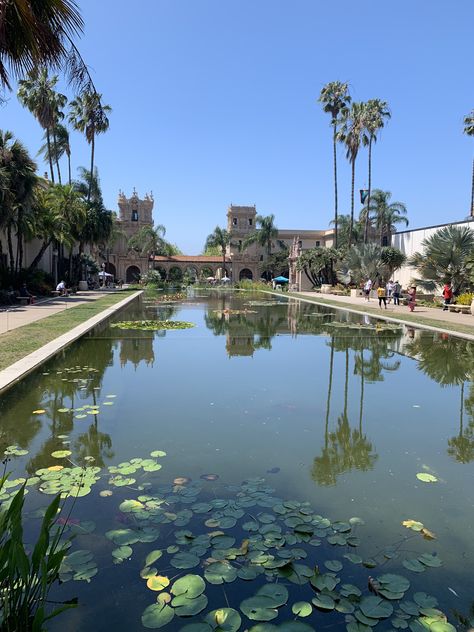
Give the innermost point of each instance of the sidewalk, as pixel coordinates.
(429, 316)
(17, 316)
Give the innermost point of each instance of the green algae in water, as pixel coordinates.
(153, 325)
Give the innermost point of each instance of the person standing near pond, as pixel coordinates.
(397, 288)
(367, 288)
(381, 293)
(412, 298)
(447, 295)
(389, 290)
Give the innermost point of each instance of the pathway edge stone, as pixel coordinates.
(18, 370)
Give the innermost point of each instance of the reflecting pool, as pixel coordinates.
(274, 450)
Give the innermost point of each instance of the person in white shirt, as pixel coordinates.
(367, 288)
(61, 287)
(389, 290)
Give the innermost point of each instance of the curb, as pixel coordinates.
(18, 370)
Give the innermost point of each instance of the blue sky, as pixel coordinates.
(214, 101)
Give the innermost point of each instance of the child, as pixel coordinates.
(412, 300)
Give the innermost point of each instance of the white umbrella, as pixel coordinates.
(105, 274)
(225, 279)
(210, 279)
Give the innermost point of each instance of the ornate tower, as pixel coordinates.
(135, 212)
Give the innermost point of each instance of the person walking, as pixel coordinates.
(412, 299)
(389, 290)
(447, 295)
(396, 293)
(367, 288)
(381, 293)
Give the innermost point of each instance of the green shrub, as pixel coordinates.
(27, 577)
(248, 284)
(465, 299)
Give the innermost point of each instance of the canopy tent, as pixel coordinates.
(225, 279)
(105, 274)
(281, 279)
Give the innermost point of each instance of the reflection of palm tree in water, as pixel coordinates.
(345, 448)
(450, 362)
(94, 443)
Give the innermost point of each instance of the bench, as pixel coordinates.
(462, 309)
(24, 300)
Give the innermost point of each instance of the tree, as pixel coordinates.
(61, 146)
(445, 259)
(148, 241)
(88, 116)
(469, 130)
(45, 222)
(276, 264)
(344, 231)
(37, 94)
(385, 214)
(392, 259)
(18, 184)
(376, 111)
(37, 34)
(351, 135)
(265, 234)
(335, 99)
(317, 264)
(219, 238)
(363, 261)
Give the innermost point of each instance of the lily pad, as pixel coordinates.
(157, 615)
(157, 582)
(186, 607)
(259, 608)
(220, 572)
(224, 619)
(302, 608)
(190, 585)
(184, 560)
(61, 454)
(375, 607)
(426, 478)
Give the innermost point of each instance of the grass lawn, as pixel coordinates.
(18, 343)
(415, 318)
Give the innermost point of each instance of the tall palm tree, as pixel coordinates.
(45, 223)
(36, 34)
(89, 116)
(469, 130)
(335, 99)
(38, 95)
(148, 241)
(385, 214)
(376, 111)
(219, 238)
(61, 146)
(351, 135)
(265, 234)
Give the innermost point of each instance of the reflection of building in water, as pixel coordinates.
(136, 350)
(293, 316)
(239, 345)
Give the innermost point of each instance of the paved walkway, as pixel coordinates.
(17, 316)
(445, 318)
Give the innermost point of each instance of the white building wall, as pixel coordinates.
(409, 242)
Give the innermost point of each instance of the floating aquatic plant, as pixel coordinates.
(153, 325)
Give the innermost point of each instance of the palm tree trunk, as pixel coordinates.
(362, 380)
(70, 265)
(461, 411)
(50, 158)
(56, 154)
(10, 248)
(69, 166)
(41, 252)
(472, 190)
(366, 231)
(351, 227)
(92, 168)
(346, 385)
(328, 401)
(335, 182)
(223, 263)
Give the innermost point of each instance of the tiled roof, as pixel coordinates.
(190, 259)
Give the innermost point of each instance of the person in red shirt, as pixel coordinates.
(447, 295)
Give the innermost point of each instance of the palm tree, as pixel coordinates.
(265, 234)
(148, 241)
(88, 116)
(445, 258)
(469, 130)
(19, 180)
(61, 146)
(385, 214)
(37, 34)
(335, 99)
(45, 223)
(219, 238)
(351, 135)
(376, 111)
(344, 230)
(38, 95)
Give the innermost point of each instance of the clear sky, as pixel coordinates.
(214, 102)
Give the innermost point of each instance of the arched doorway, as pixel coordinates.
(162, 271)
(191, 274)
(245, 273)
(175, 274)
(133, 274)
(110, 269)
(220, 274)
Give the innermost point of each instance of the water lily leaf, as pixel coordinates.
(414, 565)
(395, 583)
(190, 585)
(345, 606)
(40, 411)
(61, 454)
(106, 492)
(323, 601)
(152, 557)
(157, 615)
(399, 624)
(302, 608)
(157, 582)
(157, 453)
(426, 478)
(414, 525)
(248, 572)
(355, 559)
(220, 572)
(225, 619)
(325, 581)
(258, 608)
(410, 607)
(333, 565)
(442, 626)
(430, 560)
(122, 537)
(184, 560)
(366, 621)
(186, 607)
(276, 593)
(375, 607)
(122, 553)
(129, 505)
(427, 534)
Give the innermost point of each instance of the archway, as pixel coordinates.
(110, 269)
(245, 274)
(206, 272)
(162, 271)
(191, 273)
(220, 274)
(175, 274)
(133, 274)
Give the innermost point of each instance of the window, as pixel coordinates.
(250, 221)
(385, 240)
(300, 244)
(234, 221)
(134, 216)
(318, 243)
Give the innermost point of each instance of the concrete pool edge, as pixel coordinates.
(401, 321)
(18, 370)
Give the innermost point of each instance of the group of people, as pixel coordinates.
(391, 290)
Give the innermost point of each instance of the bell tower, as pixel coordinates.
(135, 212)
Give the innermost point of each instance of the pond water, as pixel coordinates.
(293, 435)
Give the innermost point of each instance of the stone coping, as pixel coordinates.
(18, 370)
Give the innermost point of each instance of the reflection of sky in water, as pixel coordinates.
(245, 393)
